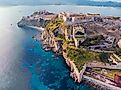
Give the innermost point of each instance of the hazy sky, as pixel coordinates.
(49, 1)
(36, 1)
(108, 0)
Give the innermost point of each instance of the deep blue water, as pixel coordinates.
(24, 65)
(49, 70)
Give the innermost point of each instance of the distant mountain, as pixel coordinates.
(112, 3)
(99, 3)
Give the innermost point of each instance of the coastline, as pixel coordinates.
(56, 37)
(44, 69)
(34, 27)
(74, 71)
(75, 74)
(37, 28)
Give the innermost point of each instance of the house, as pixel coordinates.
(104, 43)
(77, 18)
(98, 19)
(117, 79)
(48, 17)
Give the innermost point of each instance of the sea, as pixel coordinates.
(24, 65)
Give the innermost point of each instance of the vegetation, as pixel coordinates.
(61, 36)
(116, 18)
(118, 51)
(80, 38)
(44, 22)
(54, 24)
(92, 41)
(108, 73)
(81, 56)
(104, 57)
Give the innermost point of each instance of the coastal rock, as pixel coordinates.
(37, 19)
(57, 33)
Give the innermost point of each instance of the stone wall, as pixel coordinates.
(99, 85)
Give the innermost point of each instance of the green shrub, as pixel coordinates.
(104, 57)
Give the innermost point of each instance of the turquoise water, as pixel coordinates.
(24, 65)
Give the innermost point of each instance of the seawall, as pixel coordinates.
(99, 85)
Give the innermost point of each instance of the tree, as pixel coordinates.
(104, 57)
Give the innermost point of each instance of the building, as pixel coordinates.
(117, 79)
(64, 16)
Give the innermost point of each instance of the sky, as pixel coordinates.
(32, 2)
(35, 1)
(108, 0)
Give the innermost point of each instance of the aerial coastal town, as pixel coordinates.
(89, 43)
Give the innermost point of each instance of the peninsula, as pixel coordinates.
(90, 44)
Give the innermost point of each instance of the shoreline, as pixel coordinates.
(67, 39)
(89, 80)
(37, 28)
(75, 74)
(33, 27)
